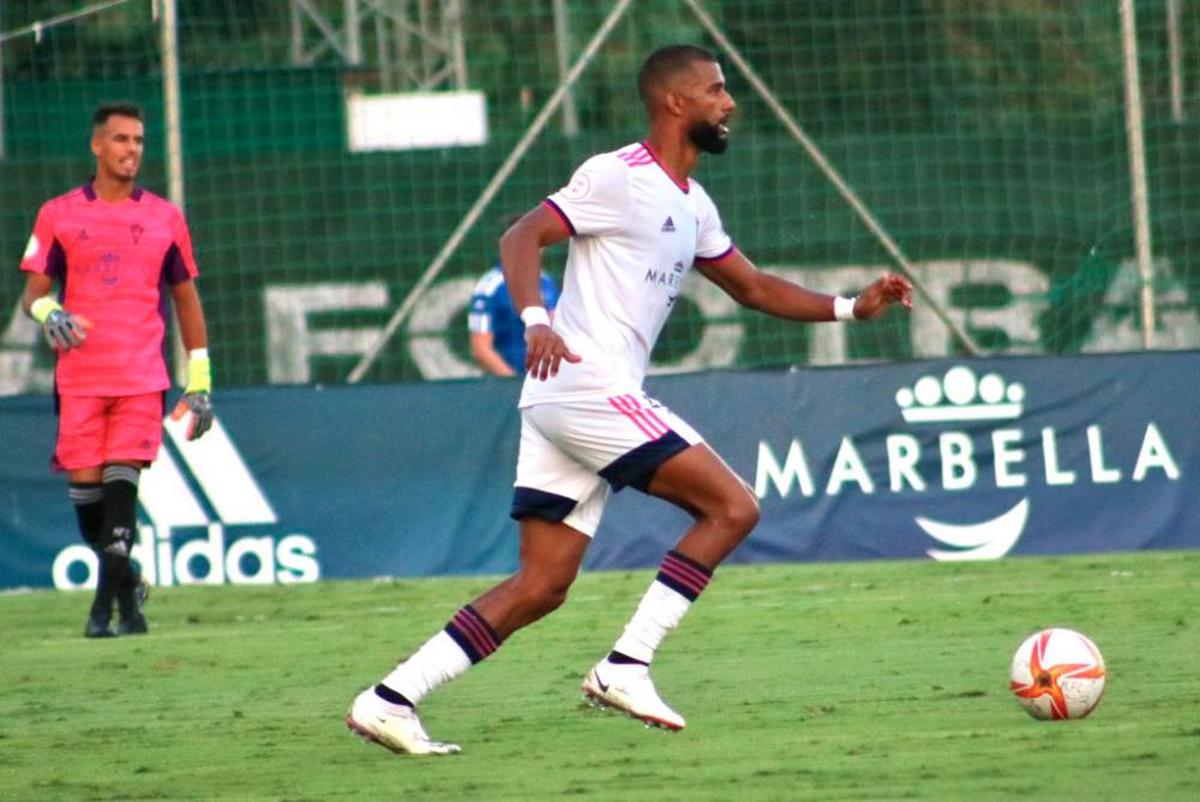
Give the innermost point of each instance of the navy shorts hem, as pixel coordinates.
(636, 468)
(531, 503)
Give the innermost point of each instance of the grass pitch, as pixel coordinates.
(865, 681)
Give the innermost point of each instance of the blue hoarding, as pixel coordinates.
(943, 459)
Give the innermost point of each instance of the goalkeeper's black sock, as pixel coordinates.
(88, 500)
(120, 496)
(119, 533)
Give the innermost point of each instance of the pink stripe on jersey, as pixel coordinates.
(650, 424)
(636, 154)
(638, 157)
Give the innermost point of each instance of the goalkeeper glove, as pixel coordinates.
(64, 330)
(196, 396)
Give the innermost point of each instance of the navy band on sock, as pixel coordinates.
(622, 659)
(388, 695)
(684, 575)
(473, 634)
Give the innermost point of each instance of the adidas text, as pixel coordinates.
(207, 560)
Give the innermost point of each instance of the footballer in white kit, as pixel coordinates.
(637, 225)
(635, 233)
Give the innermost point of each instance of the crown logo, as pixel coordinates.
(960, 396)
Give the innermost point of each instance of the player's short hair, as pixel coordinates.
(120, 108)
(666, 62)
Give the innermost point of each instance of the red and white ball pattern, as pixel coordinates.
(1057, 674)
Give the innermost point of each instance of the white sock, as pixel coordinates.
(659, 612)
(436, 663)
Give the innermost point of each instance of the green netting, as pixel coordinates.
(988, 137)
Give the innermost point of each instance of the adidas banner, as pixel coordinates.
(943, 460)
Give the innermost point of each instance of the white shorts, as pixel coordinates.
(572, 451)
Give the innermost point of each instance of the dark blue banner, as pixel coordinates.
(947, 460)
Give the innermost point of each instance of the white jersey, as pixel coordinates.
(634, 235)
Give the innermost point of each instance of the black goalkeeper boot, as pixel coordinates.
(132, 595)
(97, 628)
(114, 566)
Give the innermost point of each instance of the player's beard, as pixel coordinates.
(707, 137)
(119, 173)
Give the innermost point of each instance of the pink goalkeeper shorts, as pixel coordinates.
(94, 431)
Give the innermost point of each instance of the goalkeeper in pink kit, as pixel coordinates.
(116, 253)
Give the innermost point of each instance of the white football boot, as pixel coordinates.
(400, 732)
(628, 688)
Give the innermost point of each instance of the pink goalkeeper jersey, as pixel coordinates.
(113, 263)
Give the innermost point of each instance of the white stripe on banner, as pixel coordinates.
(165, 495)
(222, 474)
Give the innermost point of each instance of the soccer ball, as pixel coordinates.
(1058, 673)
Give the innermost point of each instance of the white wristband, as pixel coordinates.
(198, 353)
(535, 316)
(843, 308)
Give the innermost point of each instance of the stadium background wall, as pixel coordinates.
(975, 131)
(942, 459)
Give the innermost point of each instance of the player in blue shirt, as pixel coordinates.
(497, 333)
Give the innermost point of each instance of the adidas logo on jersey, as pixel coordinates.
(668, 224)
